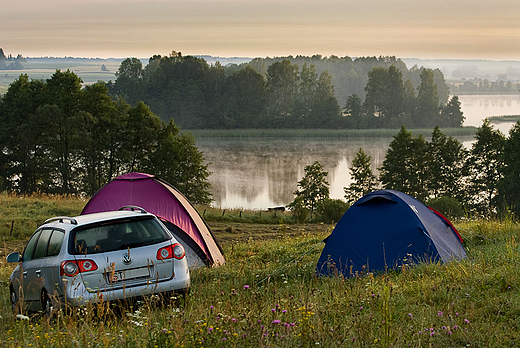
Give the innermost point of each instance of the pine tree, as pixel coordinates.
(363, 179)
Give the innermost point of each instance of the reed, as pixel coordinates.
(322, 133)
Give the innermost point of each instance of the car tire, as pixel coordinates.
(15, 304)
(47, 307)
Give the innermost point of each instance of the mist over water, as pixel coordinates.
(258, 173)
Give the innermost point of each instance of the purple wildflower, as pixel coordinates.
(246, 287)
(439, 313)
(466, 321)
(276, 321)
(410, 315)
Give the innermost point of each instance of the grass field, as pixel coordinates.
(89, 70)
(266, 295)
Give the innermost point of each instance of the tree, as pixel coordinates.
(245, 100)
(177, 160)
(451, 114)
(325, 109)
(485, 167)
(23, 163)
(445, 168)
(510, 183)
(141, 131)
(129, 81)
(312, 188)
(282, 87)
(363, 179)
(385, 93)
(427, 112)
(60, 120)
(354, 106)
(101, 136)
(404, 167)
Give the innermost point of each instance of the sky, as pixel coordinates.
(452, 29)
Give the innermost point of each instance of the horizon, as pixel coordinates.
(250, 57)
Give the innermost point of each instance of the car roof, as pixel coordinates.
(64, 221)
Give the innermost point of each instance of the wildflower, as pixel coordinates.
(449, 332)
(466, 321)
(276, 321)
(410, 315)
(22, 317)
(456, 314)
(284, 311)
(439, 313)
(246, 287)
(211, 307)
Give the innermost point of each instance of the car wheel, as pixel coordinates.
(47, 306)
(15, 306)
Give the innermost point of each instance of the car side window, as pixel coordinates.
(43, 242)
(55, 243)
(29, 249)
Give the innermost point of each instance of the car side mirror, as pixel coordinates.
(14, 257)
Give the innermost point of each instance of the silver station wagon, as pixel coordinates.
(97, 257)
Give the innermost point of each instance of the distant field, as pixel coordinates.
(89, 70)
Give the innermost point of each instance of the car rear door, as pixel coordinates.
(125, 254)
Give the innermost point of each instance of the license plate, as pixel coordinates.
(117, 276)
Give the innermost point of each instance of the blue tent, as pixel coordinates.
(384, 230)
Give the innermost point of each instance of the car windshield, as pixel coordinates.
(117, 235)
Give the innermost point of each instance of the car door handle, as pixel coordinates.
(24, 274)
(38, 273)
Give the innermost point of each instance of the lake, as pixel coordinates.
(258, 173)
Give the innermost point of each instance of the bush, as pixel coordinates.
(448, 206)
(331, 210)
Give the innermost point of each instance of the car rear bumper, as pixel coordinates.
(80, 295)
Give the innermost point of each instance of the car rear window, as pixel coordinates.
(117, 235)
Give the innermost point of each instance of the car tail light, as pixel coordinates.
(73, 267)
(176, 251)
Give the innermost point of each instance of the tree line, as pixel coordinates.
(296, 92)
(10, 62)
(60, 137)
(485, 86)
(482, 181)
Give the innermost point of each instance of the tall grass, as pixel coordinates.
(322, 133)
(21, 215)
(266, 295)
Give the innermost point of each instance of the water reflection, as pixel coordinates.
(258, 173)
(261, 173)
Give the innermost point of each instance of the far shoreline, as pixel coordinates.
(324, 133)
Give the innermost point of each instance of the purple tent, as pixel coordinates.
(168, 204)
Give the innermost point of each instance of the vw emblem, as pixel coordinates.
(127, 259)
